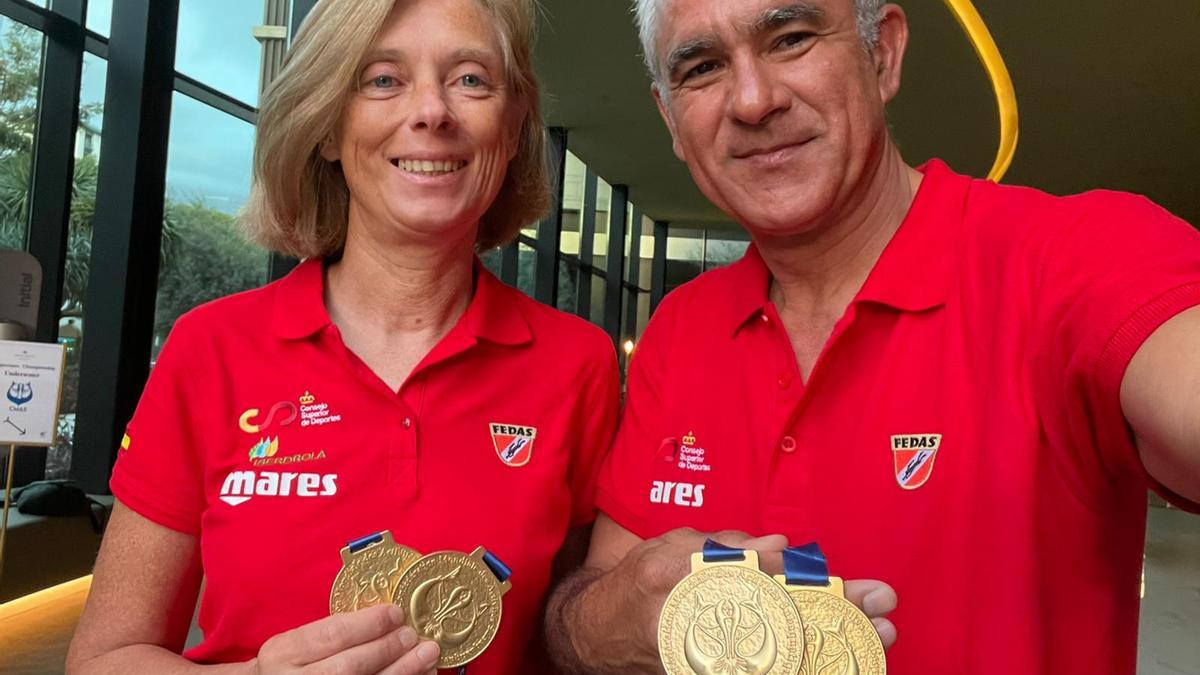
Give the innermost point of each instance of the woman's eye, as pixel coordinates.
(472, 81)
(383, 81)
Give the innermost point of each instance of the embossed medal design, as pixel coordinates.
(728, 618)
(839, 638)
(453, 599)
(371, 568)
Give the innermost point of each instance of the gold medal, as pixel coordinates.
(454, 599)
(728, 618)
(838, 637)
(371, 568)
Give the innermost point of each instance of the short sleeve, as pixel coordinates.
(1112, 275)
(160, 470)
(625, 478)
(596, 422)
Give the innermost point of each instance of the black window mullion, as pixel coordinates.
(54, 158)
(587, 235)
(127, 231)
(618, 213)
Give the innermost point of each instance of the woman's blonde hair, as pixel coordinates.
(299, 201)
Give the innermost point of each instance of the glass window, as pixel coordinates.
(568, 282)
(216, 47)
(20, 73)
(722, 247)
(79, 253)
(99, 16)
(204, 255)
(491, 260)
(685, 256)
(526, 262)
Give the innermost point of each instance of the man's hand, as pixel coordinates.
(611, 625)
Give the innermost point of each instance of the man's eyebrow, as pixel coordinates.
(777, 17)
(690, 50)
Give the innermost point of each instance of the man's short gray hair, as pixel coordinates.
(648, 13)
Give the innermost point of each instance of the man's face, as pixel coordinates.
(775, 106)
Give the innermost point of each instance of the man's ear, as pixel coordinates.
(888, 55)
(664, 109)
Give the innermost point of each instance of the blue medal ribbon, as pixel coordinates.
(714, 552)
(802, 565)
(359, 544)
(805, 566)
(497, 567)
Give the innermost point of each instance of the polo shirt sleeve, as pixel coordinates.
(596, 421)
(1118, 269)
(159, 471)
(625, 479)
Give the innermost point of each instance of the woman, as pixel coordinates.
(389, 383)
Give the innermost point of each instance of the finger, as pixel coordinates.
(875, 598)
(335, 634)
(770, 562)
(771, 543)
(886, 630)
(398, 646)
(736, 539)
(420, 661)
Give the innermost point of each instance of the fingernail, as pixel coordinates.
(408, 637)
(395, 615)
(428, 652)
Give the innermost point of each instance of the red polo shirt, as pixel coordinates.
(960, 436)
(261, 433)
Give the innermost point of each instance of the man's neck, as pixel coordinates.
(824, 269)
(815, 277)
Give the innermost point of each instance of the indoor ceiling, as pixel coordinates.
(1109, 94)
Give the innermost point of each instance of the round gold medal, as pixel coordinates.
(838, 637)
(728, 618)
(453, 599)
(371, 568)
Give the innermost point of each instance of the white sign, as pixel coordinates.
(30, 384)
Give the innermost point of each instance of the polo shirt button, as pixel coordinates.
(785, 381)
(765, 318)
(407, 422)
(788, 444)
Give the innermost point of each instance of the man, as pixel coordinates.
(960, 388)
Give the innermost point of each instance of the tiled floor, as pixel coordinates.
(1170, 630)
(33, 641)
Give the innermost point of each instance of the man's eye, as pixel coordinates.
(701, 70)
(793, 39)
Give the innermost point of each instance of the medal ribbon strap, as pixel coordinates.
(714, 552)
(497, 567)
(805, 566)
(359, 544)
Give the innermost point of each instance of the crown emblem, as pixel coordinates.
(690, 439)
(307, 399)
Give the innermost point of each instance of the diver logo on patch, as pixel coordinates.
(513, 443)
(912, 457)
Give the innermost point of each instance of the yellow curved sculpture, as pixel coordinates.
(1002, 85)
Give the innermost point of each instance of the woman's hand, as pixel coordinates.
(372, 640)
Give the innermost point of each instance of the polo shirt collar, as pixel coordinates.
(913, 272)
(493, 315)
